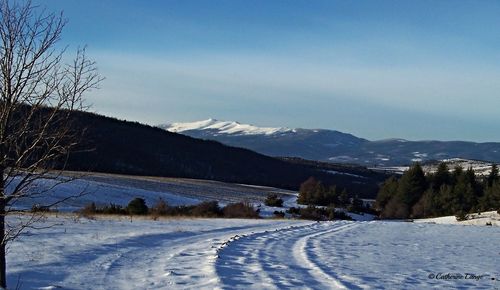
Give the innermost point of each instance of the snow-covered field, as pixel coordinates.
(253, 254)
(104, 188)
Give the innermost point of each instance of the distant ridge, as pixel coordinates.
(334, 146)
(115, 146)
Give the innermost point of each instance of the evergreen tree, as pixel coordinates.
(344, 198)
(491, 197)
(445, 200)
(473, 192)
(458, 193)
(273, 199)
(412, 185)
(307, 190)
(441, 176)
(318, 197)
(388, 190)
(396, 209)
(463, 198)
(137, 206)
(356, 205)
(426, 206)
(493, 176)
(456, 174)
(313, 192)
(332, 196)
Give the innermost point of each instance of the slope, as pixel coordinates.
(131, 148)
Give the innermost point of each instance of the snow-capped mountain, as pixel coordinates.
(223, 127)
(333, 146)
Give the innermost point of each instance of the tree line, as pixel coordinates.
(314, 193)
(442, 193)
(206, 209)
(326, 202)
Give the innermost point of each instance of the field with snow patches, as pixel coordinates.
(252, 254)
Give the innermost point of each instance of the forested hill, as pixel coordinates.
(132, 148)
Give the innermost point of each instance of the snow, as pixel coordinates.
(343, 173)
(224, 127)
(120, 254)
(478, 219)
(342, 158)
(481, 168)
(252, 254)
(71, 252)
(101, 193)
(120, 189)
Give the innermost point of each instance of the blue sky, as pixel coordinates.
(377, 69)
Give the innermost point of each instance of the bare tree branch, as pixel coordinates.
(38, 95)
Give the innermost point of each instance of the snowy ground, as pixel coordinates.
(482, 219)
(120, 189)
(253, 254)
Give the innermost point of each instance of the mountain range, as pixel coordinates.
(333, 146)
(110, 145)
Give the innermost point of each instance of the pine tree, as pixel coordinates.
(491, 197)
(356, 205)
(307, 189)
(137, 206)
(493, 176)
(388, 190)
(441, 176)
(462, 199)
(444, 200)
(425, 207)
(344, 198)
(332, 196)
(412, 185)
(456, 174)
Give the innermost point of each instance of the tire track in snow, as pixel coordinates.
(164, 262)
(305, 248)
(278, 259)
(327, 263)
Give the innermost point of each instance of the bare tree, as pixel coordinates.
(39, 93)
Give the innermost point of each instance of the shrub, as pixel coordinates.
(461, 216)
(181, 210)
(112, 209)
(338, 215)
(273, 200)
(40, 208)
(313, 213)
(207, 209)
(293, 211)
(160, 208)
(137, 206)
(240, 210)
(89, 209)
(279, 214)
(356, 205)
(321, 214)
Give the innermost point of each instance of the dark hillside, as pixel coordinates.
(132, 148)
